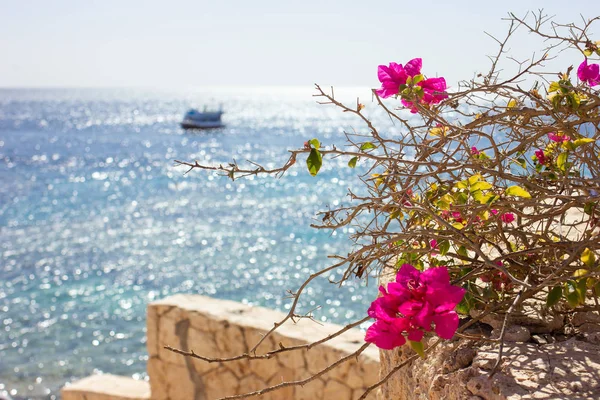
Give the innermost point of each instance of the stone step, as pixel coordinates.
(107, 387)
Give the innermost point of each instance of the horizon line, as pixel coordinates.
(184, 87)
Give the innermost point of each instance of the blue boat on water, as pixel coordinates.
(195, 119)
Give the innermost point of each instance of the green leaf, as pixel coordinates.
(568, 145)
(314, 161)
(574, 100)
(588, 258)
(492, 199)
(465, 305)
(481, 185)
(518, 191)
(396, 214)
(418, 348)
(462, 251)
(580, 272)
(521, 162)
(573, 299)
(444, 247)
(581, 290)
(478, 196)
(474, 179)
(443, 205)
(482, 198)
(588, 208)
(597, 289)
(367, 146)
(352, 162)
(419, 91)
(582, 141)
(554, 87)
(462, 198)
(554, 296)
(462, 184)
(417, 78)
(315, 143)
(571, 293)
(561, 161)
(458, 225)
(588, 52)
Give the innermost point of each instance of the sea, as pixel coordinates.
(97, 220)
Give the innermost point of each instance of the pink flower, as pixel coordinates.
(589, 74)
(507, 218)
(558, 138)
(434, 89)
(474, 151)
(494, 211)
(541, 157)
(394, 75)
(410, 306)
(433, 93)
(457, 216)
(434, 246)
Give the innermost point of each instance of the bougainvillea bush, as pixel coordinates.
(484, 196)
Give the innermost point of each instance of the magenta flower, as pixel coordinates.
(434, 247)
(474, 151)
(411, 105)
(457, 216)
(434, 89)
(589, 74)
(558, 138)
(541, 157)
(433, 93)
(507, 218)
(494, 211)
(410, 306)
(394, 75)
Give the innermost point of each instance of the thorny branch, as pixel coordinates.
(414, 168)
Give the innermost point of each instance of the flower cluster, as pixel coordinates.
(540, 156)
(410, 306)
(507, 218)
(589, 74)
(396, 80)
(558, 137)
(395, 75)
(418, 302)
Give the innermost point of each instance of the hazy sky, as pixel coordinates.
(85, 43)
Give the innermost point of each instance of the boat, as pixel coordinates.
(194, 119)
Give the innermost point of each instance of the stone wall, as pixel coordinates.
(220, 328)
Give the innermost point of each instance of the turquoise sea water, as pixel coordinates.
(96, 221)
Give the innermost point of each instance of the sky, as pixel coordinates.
(196, 43)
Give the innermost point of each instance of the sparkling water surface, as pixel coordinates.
(96, 221)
